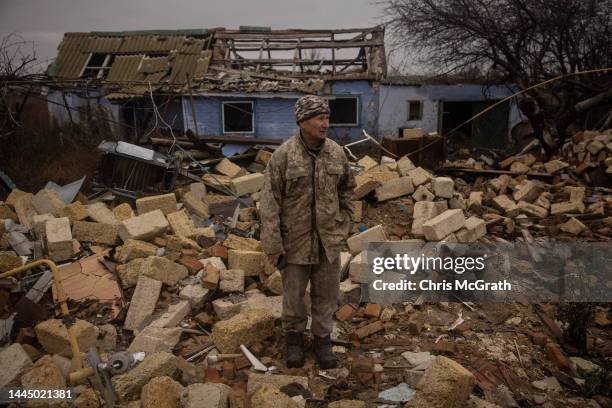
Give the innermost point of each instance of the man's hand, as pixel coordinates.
(273, 258)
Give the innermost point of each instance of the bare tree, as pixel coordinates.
(521, 42)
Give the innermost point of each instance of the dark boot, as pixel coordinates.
(295, 349)
(324, 353)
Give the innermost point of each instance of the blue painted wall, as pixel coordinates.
(274, 116)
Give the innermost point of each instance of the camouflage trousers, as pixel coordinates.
(324, 280)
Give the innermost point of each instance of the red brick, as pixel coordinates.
(218, 250)
(191, 263)
(539, 338)
(229, 370)
(367, 330)
(372, 310)
(212, 375)
(345, 312)
(204, 319)
(210, 280)
(557, 357)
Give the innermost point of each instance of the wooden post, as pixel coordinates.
(193, 112)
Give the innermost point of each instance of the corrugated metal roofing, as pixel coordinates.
(191, 64)
(148, 43)
(71, 58)
(157, 64)
(104, 45)
(125, 68)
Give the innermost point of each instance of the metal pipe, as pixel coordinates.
(77, 363)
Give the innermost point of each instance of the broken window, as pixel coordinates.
(98, 66)
(344, 111)
(238, 117)
(415, 110)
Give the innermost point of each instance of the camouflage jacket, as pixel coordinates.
(306, 197)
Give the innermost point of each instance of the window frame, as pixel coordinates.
(103, 70)
(252, 131)
(409, 103)
(357, 108)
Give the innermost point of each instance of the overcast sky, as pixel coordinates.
(45, 21)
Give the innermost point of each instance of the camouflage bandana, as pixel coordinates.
(308, 106)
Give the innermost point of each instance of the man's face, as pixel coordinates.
(315, 127)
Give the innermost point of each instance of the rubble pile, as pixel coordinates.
(182, 277)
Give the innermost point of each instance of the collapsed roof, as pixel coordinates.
(251, 59)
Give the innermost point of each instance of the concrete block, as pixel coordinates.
(195, 294)
(263, 157)
(53, 336)
(358, 211)
(358, 273)
(45, 374)
(475, 198)
(554, 166)
(198, 190)
(15, 195)
(123, 212)
(364, 186)
(274, 283)
(446, 384)
(422, 193)
(173, 316)
(532, 210)
(154, 339)
(129, 385)
(543, 200)
(214, 261)
(162, 392)
(273, 304)
(248, 184)
(181, 224)
(519, 167)
(419, 176)
(39, 223)
(105, 234)
(270, 396)
(248, 328)
(242, 243)
(567, 207)
(423, 211)
(207, 395)
(383, 176)
(443, 187)
(474, 229)
(99, 212)
(163, 269)
(164, 202)
(195, 205)
(225, 308)
(367, 163)
(75, 211)
(442, 225)
(229, 169)
(231, 280)
(506, 205)
(143, 303)
(394, 188)
(59, 239)
(576, 193)
(251, 262)
(356, 242)
(14, 361)
(144, 227)
(528, 191)
(24, 209)
(256, 380)
(594, 147)
(404, 165)
(47, 201)
(573, 226)
(133, 249)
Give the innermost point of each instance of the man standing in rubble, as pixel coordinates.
(306, 214)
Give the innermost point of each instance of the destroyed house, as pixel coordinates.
(219, 82)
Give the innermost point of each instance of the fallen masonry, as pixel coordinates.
(181, 275)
